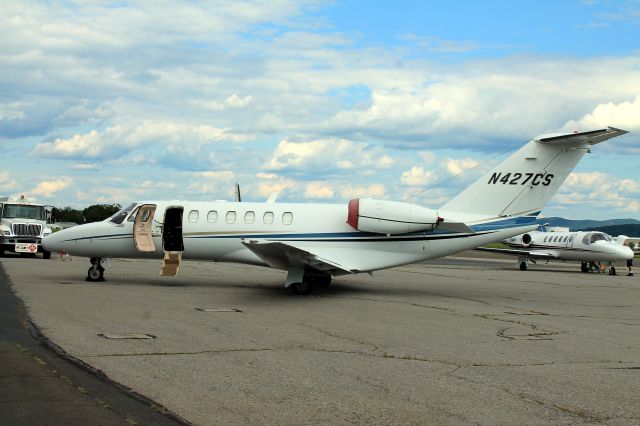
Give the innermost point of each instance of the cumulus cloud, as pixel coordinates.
(318, 190)
(120, 140)
(456, 167)
(418, 176)
(375, 190)
(327, 155)
(600, 190)
(624, 115)
(6, 183)
(49, 187)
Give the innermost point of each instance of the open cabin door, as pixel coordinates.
(172, 243)
(142, 228)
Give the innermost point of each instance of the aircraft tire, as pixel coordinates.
(46, 254)
(301, 289)
(523, 266)
(95, 274)
(612, 270)
(323, 281)
(584, 267)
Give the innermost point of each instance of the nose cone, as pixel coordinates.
(627, 253)
(55, 242)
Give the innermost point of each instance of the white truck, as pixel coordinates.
(23, 225)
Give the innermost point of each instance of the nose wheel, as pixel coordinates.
(96, 272)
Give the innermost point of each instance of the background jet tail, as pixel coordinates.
(524, 182)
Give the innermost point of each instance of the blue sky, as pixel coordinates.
(319, 101)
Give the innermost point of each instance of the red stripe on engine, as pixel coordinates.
(354, 210)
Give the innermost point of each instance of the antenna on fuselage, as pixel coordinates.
(237, 193)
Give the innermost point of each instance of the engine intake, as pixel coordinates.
(390, 217)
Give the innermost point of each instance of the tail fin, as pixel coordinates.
(524, 182)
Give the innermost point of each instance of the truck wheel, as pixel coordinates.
(46, 254)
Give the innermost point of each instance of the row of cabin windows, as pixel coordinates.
(249, 217)
(554, 239)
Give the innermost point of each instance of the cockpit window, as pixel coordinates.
(595, 236)
(119, 217)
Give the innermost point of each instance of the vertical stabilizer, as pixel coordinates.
(526, 181)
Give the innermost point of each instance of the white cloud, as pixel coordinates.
(119, 140)
(279, 185)
(6, 183)
(327, 154)
(599, 191)
(50, 187)
(456, 167)
(375, 190)
(418, 176)
(624, 115)
(85, 166)
(318, 190)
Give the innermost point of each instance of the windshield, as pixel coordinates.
(119, 217)
(23, 211)
(595, 236)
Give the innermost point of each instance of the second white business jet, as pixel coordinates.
(587, 247)
(314, 242)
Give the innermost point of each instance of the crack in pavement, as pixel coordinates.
(401, 302)
(581, 413)
(537, 334)
(209, 351)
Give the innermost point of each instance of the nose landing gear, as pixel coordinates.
(96, 272)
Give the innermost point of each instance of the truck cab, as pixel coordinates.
(23, 224)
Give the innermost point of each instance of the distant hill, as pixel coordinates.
(576, 225)
(630, 230)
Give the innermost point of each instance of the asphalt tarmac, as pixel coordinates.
(458, 341)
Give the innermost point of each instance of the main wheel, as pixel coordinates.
(323, 281)
(46, 254)
(95, 273)
(523, 266)
(584, 267)
(612, 270)
(304, 288)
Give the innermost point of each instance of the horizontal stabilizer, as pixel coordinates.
(592, 137)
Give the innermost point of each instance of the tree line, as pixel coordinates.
(93, 213)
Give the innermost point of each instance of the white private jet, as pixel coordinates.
(587, 247)
(314, 242)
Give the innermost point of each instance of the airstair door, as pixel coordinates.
(172, 243)
(142, 228)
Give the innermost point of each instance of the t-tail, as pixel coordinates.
(523, 183)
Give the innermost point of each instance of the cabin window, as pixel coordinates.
(268, 218)
(287, 218)
(231, 216)
(249, 217)
(212, 216)
(193, 216)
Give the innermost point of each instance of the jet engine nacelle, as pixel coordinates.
(523, 240)
(390, 217)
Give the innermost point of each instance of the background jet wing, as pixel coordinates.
(535, 254)
(282, 256)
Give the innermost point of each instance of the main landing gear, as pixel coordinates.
(96, 272)
(301, 282)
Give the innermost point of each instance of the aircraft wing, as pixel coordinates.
(282, 256)
(535, 254)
